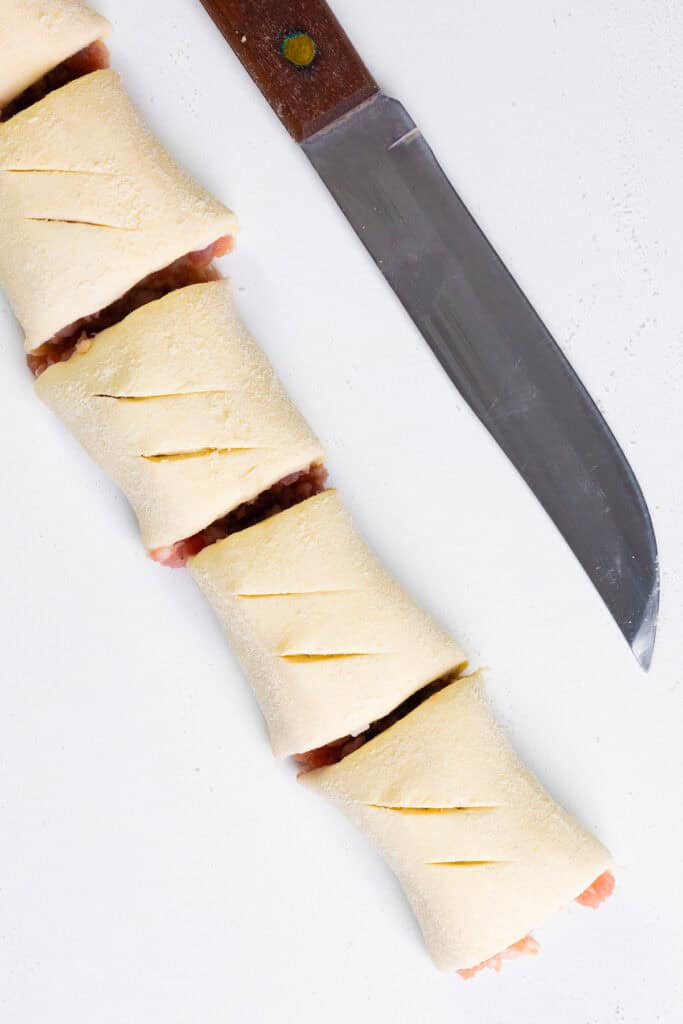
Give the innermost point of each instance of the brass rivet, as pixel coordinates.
(299, 49)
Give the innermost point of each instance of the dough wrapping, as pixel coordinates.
(328, 639)
(37, 35)
(90, 204)
(182, 408)
(481, 850)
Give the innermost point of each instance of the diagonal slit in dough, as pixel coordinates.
(302, 659)
(57, 170)
(81, 223)
(200, 453)
(295, 593)
(435, 810)
(465, 863)
(153, 398)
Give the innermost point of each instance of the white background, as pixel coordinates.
(156, 865)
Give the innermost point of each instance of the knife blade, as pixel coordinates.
(466, 304)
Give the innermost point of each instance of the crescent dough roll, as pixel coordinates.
(37, 35)
(482, 851)
(182, 408)
(329, 640)
(98, 205)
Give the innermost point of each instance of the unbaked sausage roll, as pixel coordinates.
(38, 35)
(182, 408)
(331, 643)
(105, 253)
(90, 204)
(482, 852)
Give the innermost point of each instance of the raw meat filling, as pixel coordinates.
(333, 752)
(93, 58)
(284, 494)
(596, 893)
(193, 268)
(524, 947)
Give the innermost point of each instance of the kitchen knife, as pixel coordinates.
(491, 342)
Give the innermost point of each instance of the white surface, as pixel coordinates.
(155, 864)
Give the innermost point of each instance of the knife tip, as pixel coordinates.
(643, 640)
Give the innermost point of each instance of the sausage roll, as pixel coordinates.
(105, 255)
(330, 641)
(182, 408)
(37, 35)
(482, 852)
(90, 204)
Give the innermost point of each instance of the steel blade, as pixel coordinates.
(497, 351)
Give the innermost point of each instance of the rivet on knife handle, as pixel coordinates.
(299, 56)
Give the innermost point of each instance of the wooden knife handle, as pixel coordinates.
(299, 56)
